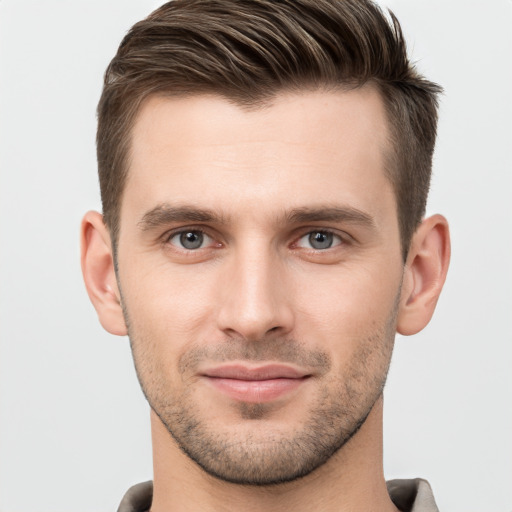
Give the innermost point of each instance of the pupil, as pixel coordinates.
(191, 240)
(320, 240)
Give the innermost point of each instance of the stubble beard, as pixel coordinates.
(263, 457)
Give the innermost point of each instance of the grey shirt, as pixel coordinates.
(408, 495)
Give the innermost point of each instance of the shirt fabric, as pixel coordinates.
(408, 495)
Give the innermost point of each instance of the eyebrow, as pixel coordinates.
(330, 214)
(164, 214)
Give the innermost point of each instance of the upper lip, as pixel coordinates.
(261, 372)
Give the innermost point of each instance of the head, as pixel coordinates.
(264, 168)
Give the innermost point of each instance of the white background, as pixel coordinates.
(74, 425)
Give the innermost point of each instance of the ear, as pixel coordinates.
(99, 274)
(424, 276)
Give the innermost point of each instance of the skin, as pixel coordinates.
(258, 183)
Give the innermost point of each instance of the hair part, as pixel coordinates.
(250, 50)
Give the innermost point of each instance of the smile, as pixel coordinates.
(255, 385)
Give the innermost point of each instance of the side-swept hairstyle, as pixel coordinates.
(249, 50)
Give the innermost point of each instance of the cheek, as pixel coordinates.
(347, 307)
(168, 310)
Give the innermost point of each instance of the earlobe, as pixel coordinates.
(99, 273)
(424, 276)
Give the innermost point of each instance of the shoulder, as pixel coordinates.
(412, 495)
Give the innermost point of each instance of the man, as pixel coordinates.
(264, 168)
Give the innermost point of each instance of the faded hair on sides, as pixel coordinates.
(250, 50)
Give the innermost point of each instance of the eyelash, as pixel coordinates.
(182, 231)
(342, 239)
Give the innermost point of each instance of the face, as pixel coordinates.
(260, 268)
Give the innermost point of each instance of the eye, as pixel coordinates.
(190, 239)
(319, 240)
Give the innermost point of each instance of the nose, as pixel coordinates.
(255, 300)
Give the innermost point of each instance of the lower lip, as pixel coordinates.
(255, 391)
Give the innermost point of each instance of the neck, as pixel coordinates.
(352, 479)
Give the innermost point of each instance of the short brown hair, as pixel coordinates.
(249, 50)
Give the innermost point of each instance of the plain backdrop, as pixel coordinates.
(74, 427)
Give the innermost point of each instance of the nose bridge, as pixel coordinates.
(254, 302)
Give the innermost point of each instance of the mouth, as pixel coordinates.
(259, 384)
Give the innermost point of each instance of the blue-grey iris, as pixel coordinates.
(191, 239)
(320, 240)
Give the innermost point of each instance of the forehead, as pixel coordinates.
(297, 148)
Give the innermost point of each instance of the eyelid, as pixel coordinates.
(344, 238)
(168, 235)
(300, 233)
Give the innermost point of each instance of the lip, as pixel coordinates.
(258, 384)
